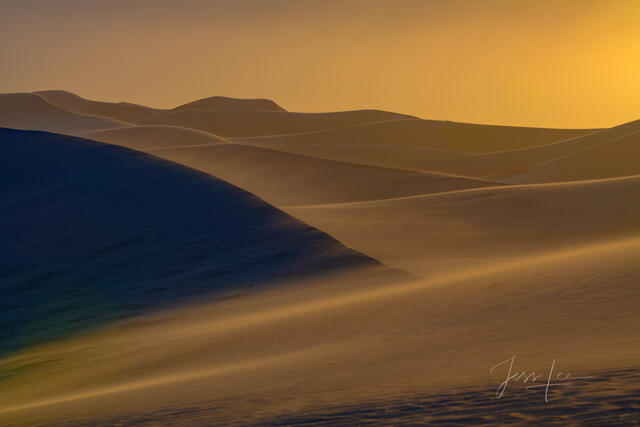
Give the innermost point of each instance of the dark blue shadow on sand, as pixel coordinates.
(91, 233)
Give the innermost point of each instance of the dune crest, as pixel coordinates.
(281, 178)
(423, 145)
(431, 233)
(120, 111)
(230, 104)
(30, 112)
(146, 138)
(616, 157)
(241, 123)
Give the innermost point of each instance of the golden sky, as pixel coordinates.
(556, 63)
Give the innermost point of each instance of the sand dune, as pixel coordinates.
(229, 104)
(506, 165)
(92, 232)
(526, 241)
(434, 134)
(257, 123)
(427, 234)
(425, 145)
(28, 111)
(388, 156)
(301, 352)
(120, 111)
(285, 179)
(603, 154)
(282, 178)
(618, 157)
(148, 138)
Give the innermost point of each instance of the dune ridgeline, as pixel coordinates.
(229, 262)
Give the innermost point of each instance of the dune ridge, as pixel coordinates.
(613, 158)
(230, 104)
(120, 111)
(423, 145)
(155, 137)
(278, 177)
(445, 135)
(468, 227)
(30, 112)
(242, 123)
(506, 166)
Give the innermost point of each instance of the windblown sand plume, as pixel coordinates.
(228, 262)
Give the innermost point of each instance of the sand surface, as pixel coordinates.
(305, 349)
(449, 248)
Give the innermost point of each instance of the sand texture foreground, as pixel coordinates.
(229, 262)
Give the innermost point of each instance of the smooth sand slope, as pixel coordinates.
(120, 111)
(425, 145)
(259, 123)
(355, 350)
(148, 138)
(618, 157)
(391, 155)
(28, 111)
(508, 165)
(281, 178)
(230, 104)
(439, 232)
(92, 232)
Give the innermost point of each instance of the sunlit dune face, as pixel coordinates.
(553, 63)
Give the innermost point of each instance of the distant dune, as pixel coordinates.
(121, 111)
(145, 138)
(229, 104)
(460, 229)
(28, 111)
(258, 123)
(92, 232)
(412, 144)
(286, 179)
(389, 155)
(616, 157)
(434, 134)
(503, 165)
(278, 177)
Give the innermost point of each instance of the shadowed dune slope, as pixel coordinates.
(278, 177)
(29, 111)
(229, 104)
(257, 123)
(92, 232)
(431, 233)
(149, 138)
(121, 111)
